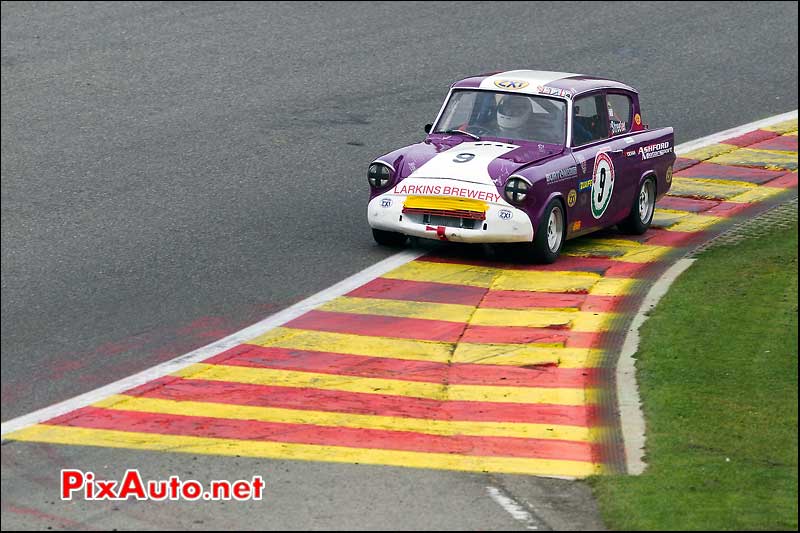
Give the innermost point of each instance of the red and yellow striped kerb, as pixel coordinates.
(445, 362)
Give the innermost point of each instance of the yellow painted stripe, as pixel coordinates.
(542, 318)
(711, 189)
(348, 420)
(542, 281)
(683, 220)
(533, 318)
(495, 278)
(619, 249)
(769, 159)
(707, 152)
(319, 341)
(474, 276)
(757, 195)
(388, 387)
(783, 127)
(436, 352)
(526, 355)
(400, 308)
(302, 452)
(614, 287)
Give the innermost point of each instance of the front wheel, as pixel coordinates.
(388, 238)
(550, 237)
(642, 210)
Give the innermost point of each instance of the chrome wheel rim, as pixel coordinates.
(555, 229)
(646, 201)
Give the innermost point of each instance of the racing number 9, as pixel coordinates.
(602, 184)
(464, 158)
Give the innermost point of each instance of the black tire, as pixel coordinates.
(541, 249)
(388, 238)
(642, 210)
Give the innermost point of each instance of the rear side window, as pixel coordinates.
(619, 113)
(589, 120)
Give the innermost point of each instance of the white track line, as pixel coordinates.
(512, 507)
(629, 402)
(201, 354)
(286, 315)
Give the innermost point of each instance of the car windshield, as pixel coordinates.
(508, 116)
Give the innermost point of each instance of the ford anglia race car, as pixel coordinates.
(525, 157)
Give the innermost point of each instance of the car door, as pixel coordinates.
(604, 196)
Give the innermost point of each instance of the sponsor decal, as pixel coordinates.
(572, 197)
(561, 175)
(602, 184)
(505, 214)
(445, 190)
(576, 226)
(654, 150)
(629, 140)
(585, 184)
(618, 127)
(386, 202)
(554, 91)
(630, 153)
(669, 176)
(511, 85)
(637, 119)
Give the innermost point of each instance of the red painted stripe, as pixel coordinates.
(683, 163)
(676, 239)
(527, 300)
(523, 335)
(379, 326)
(251, 356)
(598, 265)
(728, 209)
(420, 291)
(787, 181)
(785, 143)
(251, 430)
(179, 389)
(693, 205)
(723, 172)
(750, 138)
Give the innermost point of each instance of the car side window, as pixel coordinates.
(589, 122)
(619, 113)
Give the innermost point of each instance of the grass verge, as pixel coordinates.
(717, 369)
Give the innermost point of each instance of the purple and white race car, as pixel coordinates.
(526, 157)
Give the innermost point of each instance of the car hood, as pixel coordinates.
(485, 162)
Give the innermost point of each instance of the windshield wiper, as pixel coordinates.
(463, 133)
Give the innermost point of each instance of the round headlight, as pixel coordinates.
(379, 175)
(516, 189)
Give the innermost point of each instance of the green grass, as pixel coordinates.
(717, 368)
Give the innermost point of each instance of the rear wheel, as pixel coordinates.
(550, 237)
(644, 206)
(388, 238)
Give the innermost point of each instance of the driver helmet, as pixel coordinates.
(512, 112)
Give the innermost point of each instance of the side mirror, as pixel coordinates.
(428, 128)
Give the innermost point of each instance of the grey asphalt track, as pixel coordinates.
(173, 172)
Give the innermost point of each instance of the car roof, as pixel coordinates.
(557, 84)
